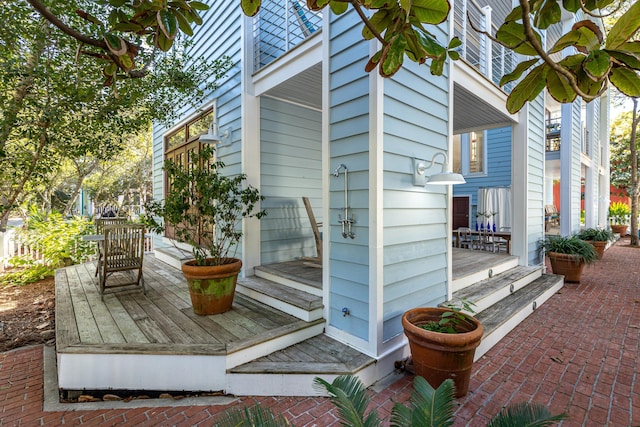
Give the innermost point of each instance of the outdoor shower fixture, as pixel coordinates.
(347, 221)
(442, 178)
(213, 135)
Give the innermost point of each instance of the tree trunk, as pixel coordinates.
(635, 189)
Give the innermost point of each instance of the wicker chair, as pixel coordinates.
(99, 225)
(123, 251)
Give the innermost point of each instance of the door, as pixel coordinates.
(461, 205)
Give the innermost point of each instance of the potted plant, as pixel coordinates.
(205, 210)
(568, 255)
(443, 342)
(598, 238)
(618, 217)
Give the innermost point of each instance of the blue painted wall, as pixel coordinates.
(291, 167)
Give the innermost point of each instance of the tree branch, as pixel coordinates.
(367, 23)
(49, 16)
(530, 36)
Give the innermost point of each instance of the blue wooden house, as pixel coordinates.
(299, 115)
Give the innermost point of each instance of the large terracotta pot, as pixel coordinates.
(599, 246)
(566, 265)
(620, 229)
(438, 356)
(212, 287)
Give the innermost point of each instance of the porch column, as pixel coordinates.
(570, 174)
(604, 165)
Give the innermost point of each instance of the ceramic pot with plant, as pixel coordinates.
(619, 215)
(443, 343)
(568, 255)
(205, 209)
(598, 238)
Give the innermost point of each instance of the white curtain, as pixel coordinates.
(496, 199)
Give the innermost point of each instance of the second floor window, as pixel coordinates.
(469, 153)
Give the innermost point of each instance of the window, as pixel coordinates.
(469, 153)
(189, 131)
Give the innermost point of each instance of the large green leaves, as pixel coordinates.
(527, 89)
(626, 26)
(512, 35)
(626, 81)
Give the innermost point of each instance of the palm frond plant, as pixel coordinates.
(525, 414)
(254, 416)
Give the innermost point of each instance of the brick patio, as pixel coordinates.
(577, 353)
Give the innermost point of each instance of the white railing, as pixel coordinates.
(12, 246)
(280, 26)
(491, 59)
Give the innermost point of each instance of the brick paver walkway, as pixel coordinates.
(577, 353)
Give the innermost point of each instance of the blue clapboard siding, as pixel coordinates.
(416, 111)
(535, 178)
(498, 171)
(291, 167)
(219, 35)
(349, 144)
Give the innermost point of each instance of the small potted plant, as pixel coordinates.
(205, 209)
(568, 255)
(619, 214)
(443, 343)
(598, 238)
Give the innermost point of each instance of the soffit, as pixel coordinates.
(304, 88)
(471, 112)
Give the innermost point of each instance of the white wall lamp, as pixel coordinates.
(443, 178)
(214, 136)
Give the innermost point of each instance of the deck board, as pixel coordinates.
(468, 261)
(161, 322)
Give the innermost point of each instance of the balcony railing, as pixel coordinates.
(280, 26)
(553, 134)
(491, 59)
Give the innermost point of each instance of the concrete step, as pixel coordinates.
(499, 319)
(298, 303)
(489, 291)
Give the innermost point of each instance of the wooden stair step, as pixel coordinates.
(499, 319)
(298, 303)
(491, 290)
(317, 355)
(295, 274)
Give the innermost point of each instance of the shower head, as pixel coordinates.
(336, 172)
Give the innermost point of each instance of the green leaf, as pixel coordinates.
(126, 61)
(527, 89)
(514, 15)
(116, 45)
(183, 23)
(117, 3)
(549, 14)
(597, 64)
(338, 7)
(350, 397)
(127, 27)
(632, 46)
(559, 87)
(626, 81)
(630, 60)
(626, 26)
(406, 5)
(163, 42)
(454, 43)
(525, 414)
(250, 7)
(168, 23)
(394, 57)
(380, 21)
(580, 37)
(571, 5)
(427, 407)
(512, 34)
(431, 11)
(197, 5)
(517, 72)
(432, 48)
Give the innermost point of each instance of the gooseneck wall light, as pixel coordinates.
(213, 135)
(445, 176)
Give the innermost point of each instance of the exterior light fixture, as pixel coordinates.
(213, 135)
(445, 177)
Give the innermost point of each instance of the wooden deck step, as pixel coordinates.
(290, 300)
(297, 365)
(172, 256)
(499, 319)
(295, 274)
(472, 266)
(489, 291)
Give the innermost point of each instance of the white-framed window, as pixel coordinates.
(470, 153)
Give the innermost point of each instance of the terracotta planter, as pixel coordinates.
(438, 356)
(620, 229)
(212, 287)
(599, 247)
(566, 265)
